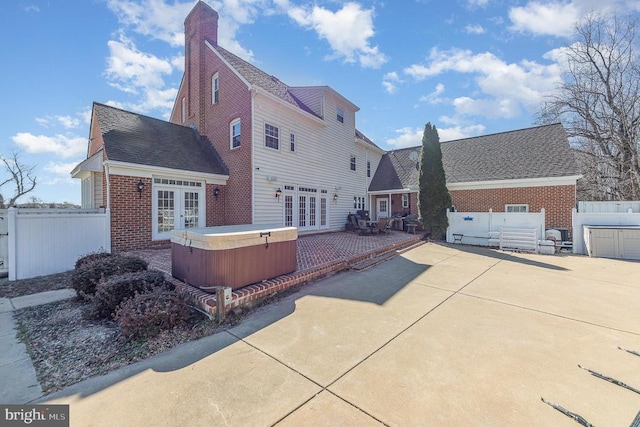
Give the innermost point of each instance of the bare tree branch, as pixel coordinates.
(21, 175)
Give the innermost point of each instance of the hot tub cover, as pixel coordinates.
(233, 236)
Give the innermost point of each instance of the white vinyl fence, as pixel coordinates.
(48, 241)
(609, 207)
(598, 218)
(475, 227)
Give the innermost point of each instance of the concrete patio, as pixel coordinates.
(440, 335)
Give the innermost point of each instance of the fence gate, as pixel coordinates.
(47, 241)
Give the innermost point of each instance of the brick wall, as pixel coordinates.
(556, 200)
(131, 215)
(213, 120)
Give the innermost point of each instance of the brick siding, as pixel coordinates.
(556, 200)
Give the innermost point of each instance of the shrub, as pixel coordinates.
(113, 291)
(91, 257)
(85, 278)
(146, 315)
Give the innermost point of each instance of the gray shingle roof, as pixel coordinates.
(259, 78)
(134, 138)
(537, 152)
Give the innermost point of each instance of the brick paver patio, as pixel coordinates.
(318, 255)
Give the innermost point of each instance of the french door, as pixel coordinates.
(305, 208)
(176, 209)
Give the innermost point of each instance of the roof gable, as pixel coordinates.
(137, 139)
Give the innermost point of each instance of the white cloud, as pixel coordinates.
(347, 31)
(548, 18)
(477, 3)
(153, 18)
(390, 82)
(503, 89)
(406, 137)
(60, 145)
(61, 172)
(434, 97)
(460, 132)
(474, 29)
(128, 68)
(67, 122)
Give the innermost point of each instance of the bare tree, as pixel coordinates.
(598, 102)
(20, 175)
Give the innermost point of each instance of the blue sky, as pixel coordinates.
(471, 67)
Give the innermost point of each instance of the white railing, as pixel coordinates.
(476, 228)
(48, 241)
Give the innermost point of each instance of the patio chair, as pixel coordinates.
(382, 225)
(389, 226)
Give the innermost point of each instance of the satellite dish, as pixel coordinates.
(413, 156)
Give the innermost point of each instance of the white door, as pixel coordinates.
(177, 209)
(307, 211)
(383, 208)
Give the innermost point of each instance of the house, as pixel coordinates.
(241, 147)
(518, 171)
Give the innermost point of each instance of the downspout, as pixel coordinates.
(108, 210)
(253, 93)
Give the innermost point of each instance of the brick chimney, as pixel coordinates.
(201, 24)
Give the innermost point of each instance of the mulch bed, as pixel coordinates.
(66, 348)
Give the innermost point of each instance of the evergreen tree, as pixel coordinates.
(433, 195)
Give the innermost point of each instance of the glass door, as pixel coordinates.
(176, 208)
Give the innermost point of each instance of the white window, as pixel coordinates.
(352, 163)
(368, 169)
(215, 86)
(271, 138)
(405, 200)
(292, 142)
(235, 133)
(516, 208)
(183, 110)
(340, 115)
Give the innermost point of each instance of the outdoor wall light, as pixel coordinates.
(216, 192)
(335, 197)
(140, 187)
(278, 193)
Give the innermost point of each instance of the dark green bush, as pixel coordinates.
(146, 315)
(111, 292)
(85, 278)
(91, 257)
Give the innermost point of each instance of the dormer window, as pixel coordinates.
(340, 115)
(215, 86)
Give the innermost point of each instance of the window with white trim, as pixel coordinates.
(405, 200)
(292, 142)
(183, 110)
(352, 163)
(340, 115)
(516, 208)
(235, 132)
(368, 169)
(271, 138)
(215, 86)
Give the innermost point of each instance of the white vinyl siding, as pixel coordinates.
(319, 164)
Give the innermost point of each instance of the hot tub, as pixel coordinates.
(232, 255)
